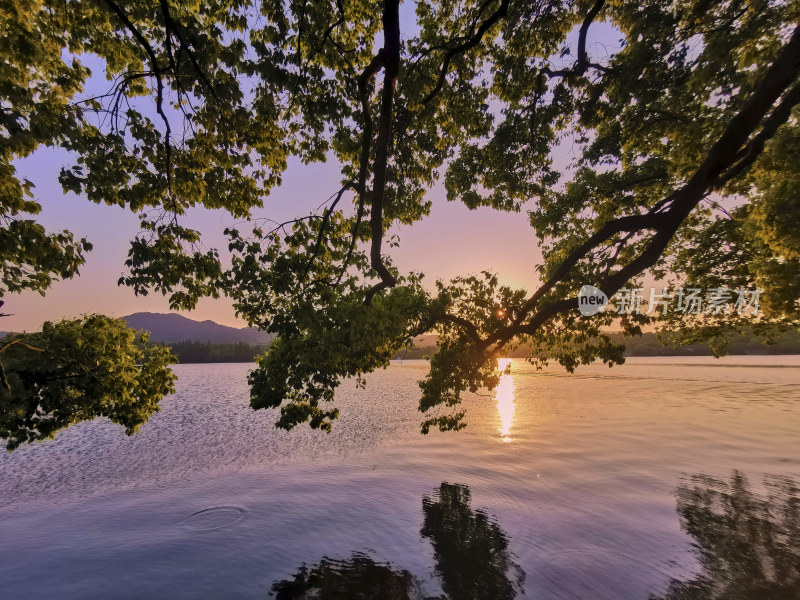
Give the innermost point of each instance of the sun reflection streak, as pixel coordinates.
(504, 394)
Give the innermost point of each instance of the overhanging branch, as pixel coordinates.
(721, 158)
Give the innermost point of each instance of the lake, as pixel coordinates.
(663, 478)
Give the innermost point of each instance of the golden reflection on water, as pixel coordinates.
(504, 394)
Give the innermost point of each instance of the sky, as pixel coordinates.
(452, 241)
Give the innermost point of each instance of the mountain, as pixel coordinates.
(173, 328)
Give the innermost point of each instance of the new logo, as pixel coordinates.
(591, 300)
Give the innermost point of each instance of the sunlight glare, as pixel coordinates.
(504, 394)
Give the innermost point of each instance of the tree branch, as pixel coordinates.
(473, 41)
(472, 331)
(157, 71)
(583, 59)
(172, 27)
(723, 154)
(582, 64)
(631, 223)
(325, 219)
(391, 66)
(353, 239)
(754, 148)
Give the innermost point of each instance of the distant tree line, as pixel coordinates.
(209, 352)
(649, 344)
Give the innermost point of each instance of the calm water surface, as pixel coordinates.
(666, 477)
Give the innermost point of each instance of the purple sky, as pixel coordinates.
(452, 241)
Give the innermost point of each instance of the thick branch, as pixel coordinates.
(391, 67)
(629, 223)
(364, 81)
(582, 64)
(472, 331)
(723, 154)
(353, 238)
(583, 59)
(754, 148)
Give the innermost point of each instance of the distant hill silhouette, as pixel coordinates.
(172, 328)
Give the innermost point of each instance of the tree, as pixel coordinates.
(685, 166)
(76, 370)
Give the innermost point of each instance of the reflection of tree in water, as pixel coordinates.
(748, 544)
(358, 577)
(471, 553)
(471, 550)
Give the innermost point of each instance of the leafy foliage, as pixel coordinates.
(683, 138)
(77, 370)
